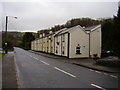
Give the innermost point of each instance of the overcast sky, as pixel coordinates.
(34, 16)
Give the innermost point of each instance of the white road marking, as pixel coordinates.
(113, 76)
(91, 70)
(105, 73)
(30, 56)
(98, 86)
(44, 62)
(97, 72)
(35, 58)
(65, 72)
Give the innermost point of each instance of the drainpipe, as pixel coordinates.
(68, 45)
(61, 45)
(89, 45)
(54, 44)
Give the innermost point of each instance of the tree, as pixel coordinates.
(11, 40)
(84, 22)
(107, 34)
(26, 41)
(117, 33)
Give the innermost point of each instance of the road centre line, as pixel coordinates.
(69, 73)
(91, 70)
(113, 76)
(44, 62)
(104, 73)
(65, 72)
(30, 56)
(98, 86)
(94, 71)
(40, 60)
(97, 72)
(35, 58)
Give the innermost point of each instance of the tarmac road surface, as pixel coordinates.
(36, 71)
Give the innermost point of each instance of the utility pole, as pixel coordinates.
(6, 34)
(6, 27)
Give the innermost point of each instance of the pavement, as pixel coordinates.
(88, 63)
(9, 78)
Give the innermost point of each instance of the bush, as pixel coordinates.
(108, 63)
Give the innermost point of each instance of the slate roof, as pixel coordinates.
(69, 29)
(57, 32)
(91, 28)
(60, 31)
(66, 30)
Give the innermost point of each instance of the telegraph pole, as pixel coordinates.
(6, 27)
(6, 34)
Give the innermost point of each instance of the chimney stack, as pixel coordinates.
(50, 32)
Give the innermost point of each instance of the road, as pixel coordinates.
(36, 71)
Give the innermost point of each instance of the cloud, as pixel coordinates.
(38, 15)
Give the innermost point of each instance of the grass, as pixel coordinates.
(1, 55)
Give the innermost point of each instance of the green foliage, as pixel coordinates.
(11, 41)
(107, 34)
(111, 34)
(117, 33)
(57, 27)
(15, 39)
(26, 41)
(1, 55)
(108, 63)
(84, 22)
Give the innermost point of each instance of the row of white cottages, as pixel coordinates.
(75, 42)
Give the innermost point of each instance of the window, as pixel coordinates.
(51, 49)
(58, 43)
(57, 39)
(63, 37)
(56, 49)
(63, 50)
(78, 49)
(49, 38)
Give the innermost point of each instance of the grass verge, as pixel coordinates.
(1, 55)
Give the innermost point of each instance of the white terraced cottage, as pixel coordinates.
(75, 42)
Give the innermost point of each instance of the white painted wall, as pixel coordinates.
(49, 42)
(52, 43)
(45, 44)
(65, 45)
(95, 42)
(78, 36)
(58, 46)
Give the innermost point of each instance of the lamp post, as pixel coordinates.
(6, 27)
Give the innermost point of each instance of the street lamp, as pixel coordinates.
(6, 32)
